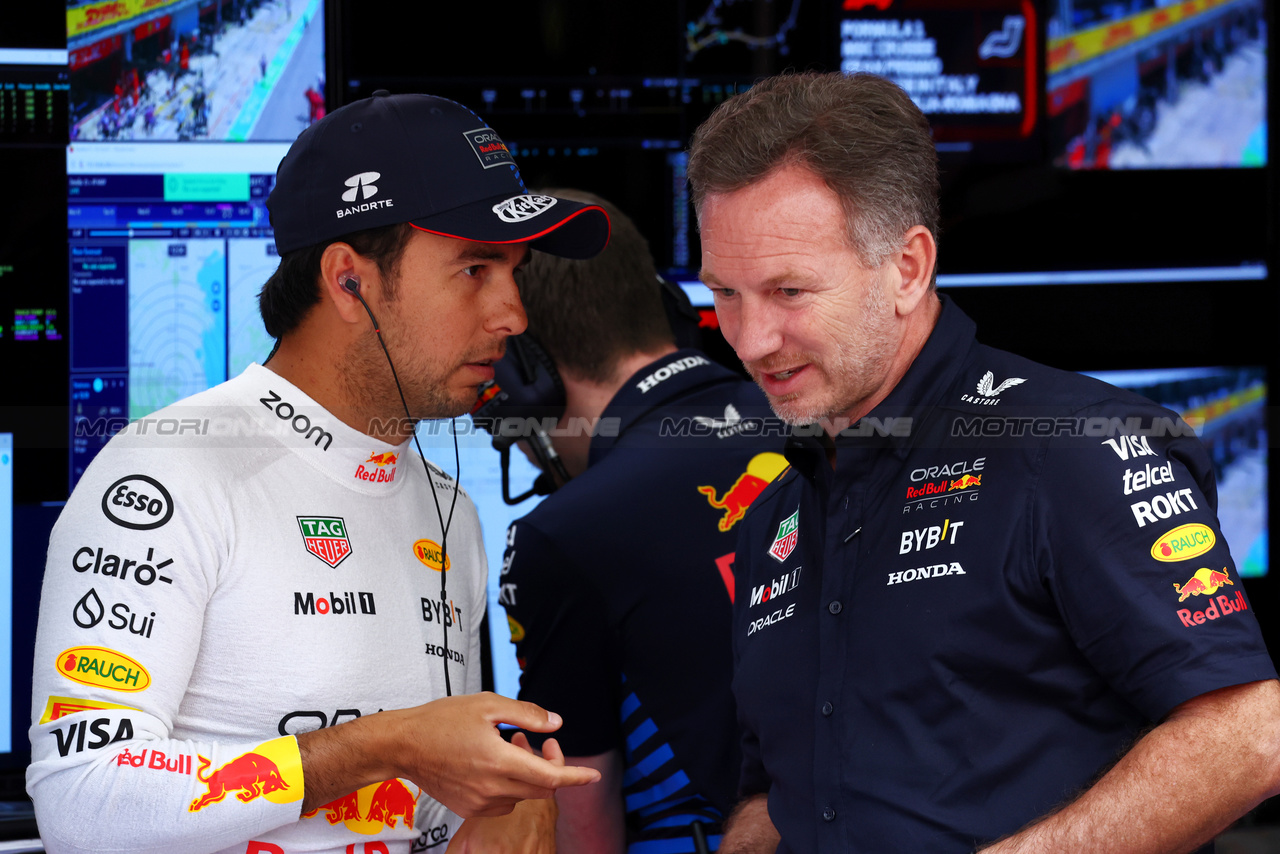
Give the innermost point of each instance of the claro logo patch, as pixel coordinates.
(138, 502)
(100, 667)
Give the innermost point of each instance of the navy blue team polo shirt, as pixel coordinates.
(1010, 572)
(618, 587)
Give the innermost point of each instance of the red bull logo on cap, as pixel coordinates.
(788, 535)
(326, 538)
(1183, 543)
(760, 472)
(373, 808)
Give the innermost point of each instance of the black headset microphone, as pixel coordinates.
(351, 284)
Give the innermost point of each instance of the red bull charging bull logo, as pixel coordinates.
(965, 482)
(369, 810)
(1204, 583)
(272, 770)
(379, 468)
(761, 471)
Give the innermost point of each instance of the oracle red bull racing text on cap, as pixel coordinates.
(422, 160)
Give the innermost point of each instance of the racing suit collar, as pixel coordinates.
(934, 371)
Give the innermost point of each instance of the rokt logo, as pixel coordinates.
(361, 183)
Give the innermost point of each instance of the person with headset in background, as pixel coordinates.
(1017, 626)
(259, 626)
(618, 585)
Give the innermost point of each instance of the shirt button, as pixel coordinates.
(828, 814)
(835, 607)
(827, 709)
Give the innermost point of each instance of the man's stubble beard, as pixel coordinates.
(371, 388)
(854, 372)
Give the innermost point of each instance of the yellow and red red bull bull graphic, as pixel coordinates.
(326, 538)
(379, 468)
(1183, 543)
(390, 803)
(760, 472)
(1207, 582)
(59, 707)
(100, 667)
(788, 535)
(1204, 583)
(428, 552)
(272, 770)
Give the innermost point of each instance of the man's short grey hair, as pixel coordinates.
(861, 134)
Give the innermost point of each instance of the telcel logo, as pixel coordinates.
(1183, 543)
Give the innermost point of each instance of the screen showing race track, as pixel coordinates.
(1155, 84)
(232, 70)
(1227, 407)
(169, 244)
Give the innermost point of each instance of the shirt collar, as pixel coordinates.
(931, 374)
(287, 413)
(654, 385)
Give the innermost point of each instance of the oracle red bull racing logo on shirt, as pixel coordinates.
(326, 538)
(373, 808)
(788, 535)
(760, 472)
(379, 468)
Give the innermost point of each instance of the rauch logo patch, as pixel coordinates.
(99, 667)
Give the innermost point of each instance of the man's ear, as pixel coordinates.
(914, 263)
(338, 263)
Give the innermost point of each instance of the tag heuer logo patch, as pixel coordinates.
(326, 538)
(788, 536)
(489, 147)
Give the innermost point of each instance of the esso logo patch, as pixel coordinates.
(520, 208)
(137, 502)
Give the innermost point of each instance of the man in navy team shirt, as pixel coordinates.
(618, 586)
(989, 605)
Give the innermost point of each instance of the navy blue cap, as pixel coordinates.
(426, 161)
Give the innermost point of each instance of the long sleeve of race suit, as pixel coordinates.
(131, 570)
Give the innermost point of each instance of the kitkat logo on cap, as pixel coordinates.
(489, 147)
(522, 207)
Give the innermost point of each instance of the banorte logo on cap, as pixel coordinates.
(523, 207)
(361, 182)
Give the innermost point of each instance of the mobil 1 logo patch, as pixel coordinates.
(138, 502)
(489, 147)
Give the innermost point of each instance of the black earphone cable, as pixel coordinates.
(351, 285)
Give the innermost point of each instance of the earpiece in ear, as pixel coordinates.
(350, 283)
